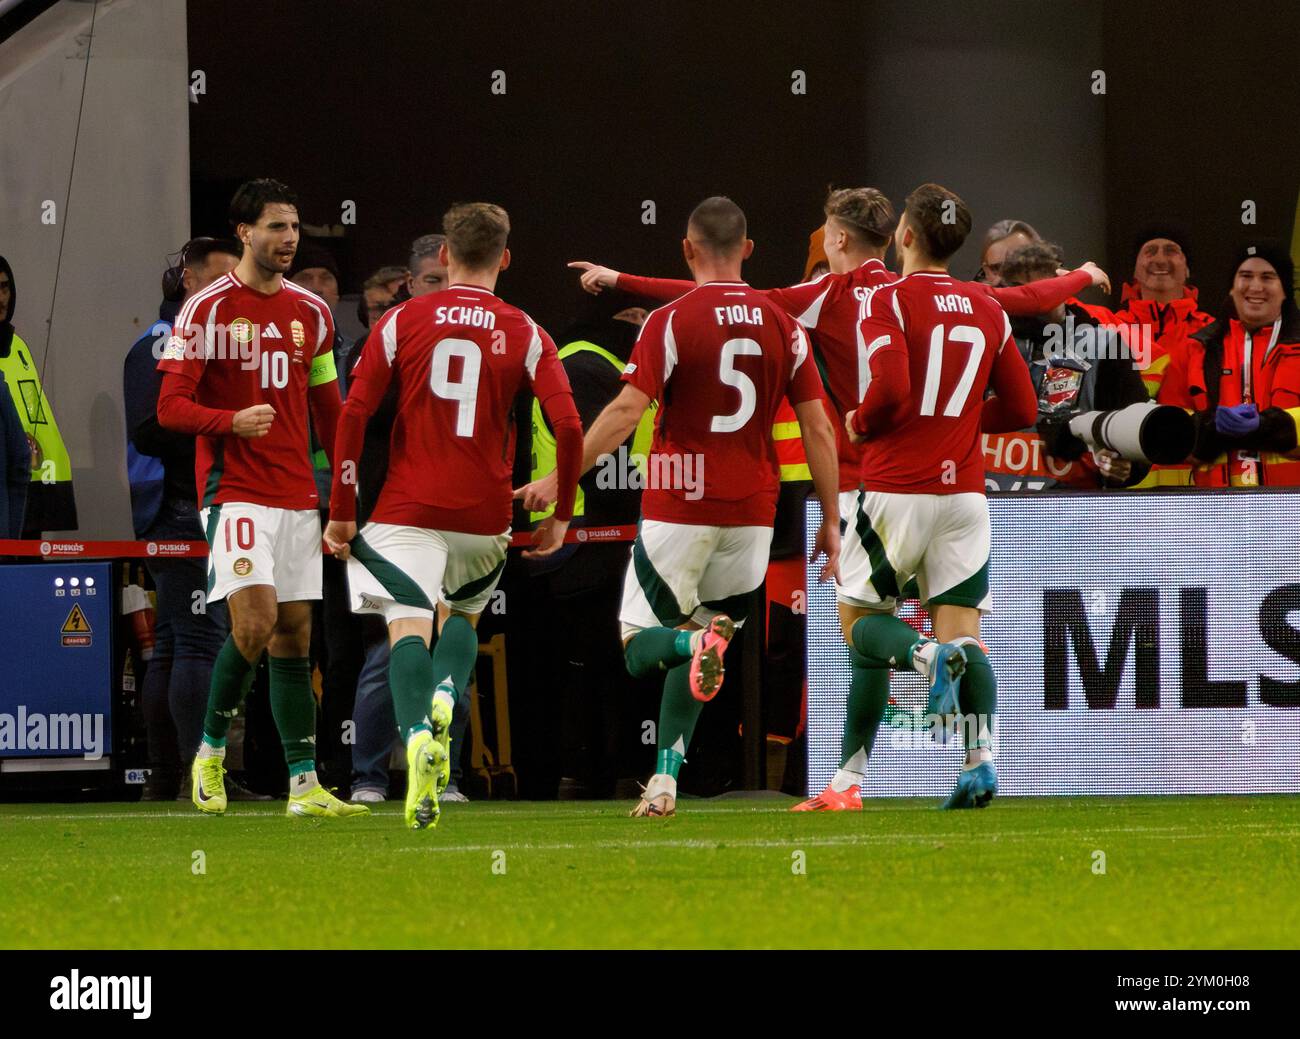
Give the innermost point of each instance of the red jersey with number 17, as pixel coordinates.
(933, 345)
(459, 357)
(719, 360)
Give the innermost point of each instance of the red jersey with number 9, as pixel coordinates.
(719, 360)
(459, 357)
(955, 341)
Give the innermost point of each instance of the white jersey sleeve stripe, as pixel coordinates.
(800, 348)
(186, 314)
(534, 352)
(320, 324)
(210, 334)
(810, 317)
(389, 335)
(670, 348)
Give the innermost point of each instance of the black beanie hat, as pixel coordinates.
(313, 254)
(1274, 252)
(1161, 229)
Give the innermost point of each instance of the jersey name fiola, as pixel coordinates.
(719, 360)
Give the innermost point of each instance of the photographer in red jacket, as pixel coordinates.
(1242, 378)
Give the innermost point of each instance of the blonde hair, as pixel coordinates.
(476, 233)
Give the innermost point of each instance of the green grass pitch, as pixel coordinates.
(1179, 872)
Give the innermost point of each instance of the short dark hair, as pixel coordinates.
(425, 245)
(476, 233)
(194, 253)
(865, 212)
(719, 224)
(1032, 262)
(383, 276)
(940, 218)
(255, 195)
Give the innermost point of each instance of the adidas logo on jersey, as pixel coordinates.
(271, 332)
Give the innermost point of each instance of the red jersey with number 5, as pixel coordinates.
(719, 360)
(933, 346)
(459, 357)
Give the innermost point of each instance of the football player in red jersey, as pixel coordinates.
(933, 346)
(249, 356)
(437, 537)
(719, 360)
(858, 229)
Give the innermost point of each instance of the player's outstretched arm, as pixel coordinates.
(596, 279)
(819, 446)
(1038, 297)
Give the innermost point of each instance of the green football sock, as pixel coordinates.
(456, 653)
(884, 640)
(657, 649)
(231, 677)
(868, 695)
(678, 713)
(978, 698)
(293, 706)
(410, 677)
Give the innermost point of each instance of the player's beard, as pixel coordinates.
(273, 263)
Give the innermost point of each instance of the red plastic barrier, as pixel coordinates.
(53, 548)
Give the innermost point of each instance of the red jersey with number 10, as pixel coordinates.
(235, 347)
(933, 345)
(719, 360)
(459, 357)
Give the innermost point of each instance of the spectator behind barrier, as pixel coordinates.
(425, 272)
(1159, 302)
(378, 294)
(1077, 364)
(50, 504)
(1000, 240)
(15, 455)
(16, 460)
(335, 631)
(174, 691)
(585, 581)
(1242, 377)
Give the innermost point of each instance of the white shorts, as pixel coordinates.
(402, 572)
(680, 572)
(941, 541)
(258, 544)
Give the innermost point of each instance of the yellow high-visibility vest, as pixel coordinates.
(544, 455)
(49, 456)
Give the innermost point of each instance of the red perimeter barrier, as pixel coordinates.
(69, 549)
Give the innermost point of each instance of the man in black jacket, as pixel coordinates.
(583, 583)
(1077, 365)
(187, 634)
